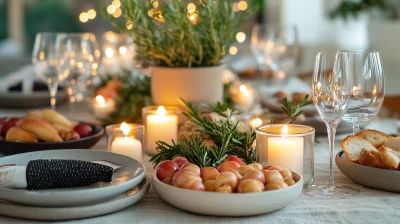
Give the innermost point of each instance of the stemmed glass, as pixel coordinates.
(80, 56)
(331, 91)
(46, 61)
(368, 90)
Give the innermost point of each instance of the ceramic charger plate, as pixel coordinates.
(221, 204)
(128, 176)
(70, 213)
(382, 179)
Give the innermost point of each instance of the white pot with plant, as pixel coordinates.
(184, 44)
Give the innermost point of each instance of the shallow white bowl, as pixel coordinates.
(220, 204)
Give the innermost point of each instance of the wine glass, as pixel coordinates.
(80, 56)
(331, 91)
(45, 59)
(368, 89)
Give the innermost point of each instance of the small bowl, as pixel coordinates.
(221, 204)
(11, 148)
(381, 179)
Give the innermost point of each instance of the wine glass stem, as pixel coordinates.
(53, 92)
(356, 128)
(331, 136)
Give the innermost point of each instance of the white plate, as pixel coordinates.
(69, 213)
(382, 179)
(220, 204)
(128, 176)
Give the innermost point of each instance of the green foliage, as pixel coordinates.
(164, 34)
(293, 110)
(224, 133)
(351, 8)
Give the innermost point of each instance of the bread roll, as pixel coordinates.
(390, 158)
(393, 143)
(371, 158)
(19, 135)
(56, 118)
(42, 129)
(376, 138)
(352, 146)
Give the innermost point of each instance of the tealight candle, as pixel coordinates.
(126, 145)
(244, 98)
(255, 123)
(103, 107)
(110, 62)
(160, 126)
(126, 58)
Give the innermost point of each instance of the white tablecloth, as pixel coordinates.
(370, 206)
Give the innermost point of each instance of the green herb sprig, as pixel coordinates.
(293, 110)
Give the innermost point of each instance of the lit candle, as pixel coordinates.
(127, 145)
(244, 98)
(160, 127)
(126, 58)
(286, 151)
(102, 107)
(255, 123)
(110, 62)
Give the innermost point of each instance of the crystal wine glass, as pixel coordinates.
(331, 91)
(80, 56)
(45, 59)
(368, 89)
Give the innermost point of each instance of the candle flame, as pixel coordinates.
(257, 122)
(100, 99)
(374, 90)
(243, 89)
(161, 111)
(122, 50)
(284, 130)
(109, 52)
(125, 128)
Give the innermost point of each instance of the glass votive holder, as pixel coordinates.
(288, 146)
(102, 107)
(161, 124)
(126, 139)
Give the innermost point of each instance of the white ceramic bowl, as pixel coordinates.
(382, 179)
(220, 204)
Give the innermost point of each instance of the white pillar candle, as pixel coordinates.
(110, 62)
(286, 152)
(102, 107)
(127, 145)
(160, 127)
(126, 58)
(244, 98)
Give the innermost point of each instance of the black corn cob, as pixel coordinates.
(44, 174)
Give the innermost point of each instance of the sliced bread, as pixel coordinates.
(393, 143)
(376, 138)
(371, 158)
(352, 146)
(390, 158)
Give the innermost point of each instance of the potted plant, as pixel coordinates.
(183, 43)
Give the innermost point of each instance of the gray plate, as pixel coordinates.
(382, 179)
(69, 213)
(36, 99)
(128, 176)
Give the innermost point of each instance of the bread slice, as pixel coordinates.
(376, 138)
(371, 158)
(393, 143)
(352, 146)
(390, 158)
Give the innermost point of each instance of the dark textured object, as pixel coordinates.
(44, 174)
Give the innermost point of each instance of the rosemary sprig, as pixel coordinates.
(293, 110)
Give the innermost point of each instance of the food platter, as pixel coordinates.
(128, 176)
(221, 204)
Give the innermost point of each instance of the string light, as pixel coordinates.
(83, 17)
(129, 24)
(191, 7)
(242, 5)
(91, 13)
(193, 17)
(117, 13)
(111, 9)
(116, 3)
(240, 37)
(233, 50)
(155, 4)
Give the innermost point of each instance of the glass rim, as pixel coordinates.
(349, 51)
(153, 108)
(117, 127)
(49, 33)
(297, 134)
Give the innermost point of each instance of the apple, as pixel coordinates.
(208, 173)
(188, 180)
(235, 159)
(191, 167)
(5, 127)
(180, 160)
(228, 165)
(256, 175)
(13, 120)
(83, 130)
(166, 169)
(2, 121)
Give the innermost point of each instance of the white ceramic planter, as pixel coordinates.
(203, 84)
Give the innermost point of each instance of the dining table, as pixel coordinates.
(370, 206)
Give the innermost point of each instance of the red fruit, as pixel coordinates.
(208, 173)
(235, 159)
(13, 120)
(2, 121)
(191, 167)
(166, 169)
(228, 165)
(5, 127)
(83, 130)
(188, 180)
(180, 160)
